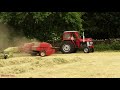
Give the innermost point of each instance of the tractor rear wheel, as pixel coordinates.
(86, 50)
(67, 47)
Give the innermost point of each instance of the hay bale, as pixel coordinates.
(12, 49)
(9, 52)
(1, 56)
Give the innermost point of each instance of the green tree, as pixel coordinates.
(42, 25)
(102, 25)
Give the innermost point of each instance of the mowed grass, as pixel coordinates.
(75, 65)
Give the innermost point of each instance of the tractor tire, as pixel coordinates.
(67, 47)
(42, 53)
(86, 50)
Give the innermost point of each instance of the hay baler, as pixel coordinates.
(42, 49)
(38, 48)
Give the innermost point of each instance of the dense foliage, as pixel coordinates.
(43, 26)
(102, 25)
(46, 26)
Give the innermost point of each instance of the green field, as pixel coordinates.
(76, 65)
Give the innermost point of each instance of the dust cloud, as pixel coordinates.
(4, 36)
(8, 40)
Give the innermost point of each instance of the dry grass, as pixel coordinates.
(76, 65)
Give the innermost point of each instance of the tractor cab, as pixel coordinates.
(69, 35)
(71, 41)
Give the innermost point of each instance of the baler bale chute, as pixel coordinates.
(26, 47)
(8, 52)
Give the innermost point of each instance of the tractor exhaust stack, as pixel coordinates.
(83, 37)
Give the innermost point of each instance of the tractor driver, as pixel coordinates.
(73, 37)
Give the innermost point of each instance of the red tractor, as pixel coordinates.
(72, 41)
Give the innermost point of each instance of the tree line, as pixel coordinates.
(102, 25)
(46, 26)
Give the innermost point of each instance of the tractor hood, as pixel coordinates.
(86, 39)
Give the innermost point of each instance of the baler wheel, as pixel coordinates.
(42, 53)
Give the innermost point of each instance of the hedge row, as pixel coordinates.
(104, 47)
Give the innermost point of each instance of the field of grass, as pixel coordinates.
(75, 65)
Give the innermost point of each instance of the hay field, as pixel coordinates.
(76, 65)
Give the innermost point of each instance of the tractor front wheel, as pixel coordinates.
(86, 50)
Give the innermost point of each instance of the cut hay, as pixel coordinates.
(1, 56)
(12, 49)
(20, 65)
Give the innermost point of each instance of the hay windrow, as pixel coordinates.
(105, 64)
(20, 65)
(15, 61)
(1, 56)
(12, 49)
(36, 60)
(60, 60)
